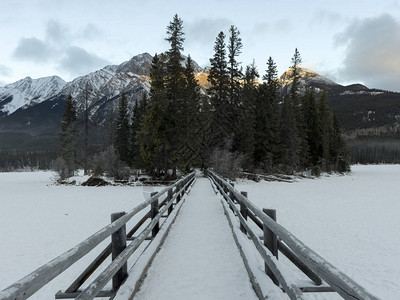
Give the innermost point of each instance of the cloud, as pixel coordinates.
(77, 61)
(32, 49)
(58, 47)
(325, 17)
(205, 30)
(5, 71)
(278, 27)
(372, 52)
(57, 32)
(90, 32)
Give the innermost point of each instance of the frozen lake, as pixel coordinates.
(353, 221)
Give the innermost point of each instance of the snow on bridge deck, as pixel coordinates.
(199, 259)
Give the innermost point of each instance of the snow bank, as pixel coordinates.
(39, 221)
(352, 221)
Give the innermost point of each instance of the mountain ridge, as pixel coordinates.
(31, 107)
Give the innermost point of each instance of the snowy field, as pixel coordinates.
(39, 221)
(352, 221)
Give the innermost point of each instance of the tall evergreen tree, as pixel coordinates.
(245, 114)
(312, 126)
(188, 123)
(122, 130)
(235, 73)
(139, 111)
(339, 151)
(153, 137)
(268, 146)
(326, 121)
(174, 70)
(175, 86)
(219, 79)
(68, 136)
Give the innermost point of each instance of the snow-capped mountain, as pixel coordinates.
(103, 86)
(28, 92)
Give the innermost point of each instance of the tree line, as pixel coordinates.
(238, 123)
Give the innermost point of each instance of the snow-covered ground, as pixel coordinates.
(352, 221)
(39, 221)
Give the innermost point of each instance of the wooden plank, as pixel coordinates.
(298, 263)
(138, 224)
(65, 295)
(317, 289)
(89, 270)
(343, 284)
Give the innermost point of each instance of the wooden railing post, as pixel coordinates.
(178, 198)
(271, 242)
(154, 212)
(169, 198)
(118, 244)
(231, 195)
(243, 212)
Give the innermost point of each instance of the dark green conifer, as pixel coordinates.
(122, 130)
(68, 136)
(218, 77)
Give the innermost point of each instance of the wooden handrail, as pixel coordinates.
(30, 284)
(340, 282)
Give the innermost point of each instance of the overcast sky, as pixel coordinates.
(347, 41)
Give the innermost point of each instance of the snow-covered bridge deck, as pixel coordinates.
(199, 259)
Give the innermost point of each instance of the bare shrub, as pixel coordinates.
(63, 169)
(107, 163)
(226, 163)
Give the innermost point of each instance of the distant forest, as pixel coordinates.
(239, 124)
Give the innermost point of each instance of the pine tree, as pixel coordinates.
(313, 127)
(122, 131)
(296, 102)
(188, 123)
(235, 73)
(326, 121)
(153, 137)
(219, 79)
(174, 69)
(339, 151)
(175, 86)
(245, 114)
(68, 136)
(139, 111)
(268, 145)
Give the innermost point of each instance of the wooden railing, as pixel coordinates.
(276, 237)
(117, 270)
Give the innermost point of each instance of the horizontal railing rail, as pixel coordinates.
(340, 282)
(30, 284)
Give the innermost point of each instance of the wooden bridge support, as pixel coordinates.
(243, 212)
(154, 212)
(271, 242)
(118, 244)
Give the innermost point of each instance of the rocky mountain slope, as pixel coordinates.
(28, 92)
(360, 110)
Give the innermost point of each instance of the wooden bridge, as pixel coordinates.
(193, 252)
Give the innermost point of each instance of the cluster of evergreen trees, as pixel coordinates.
(238, 123)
